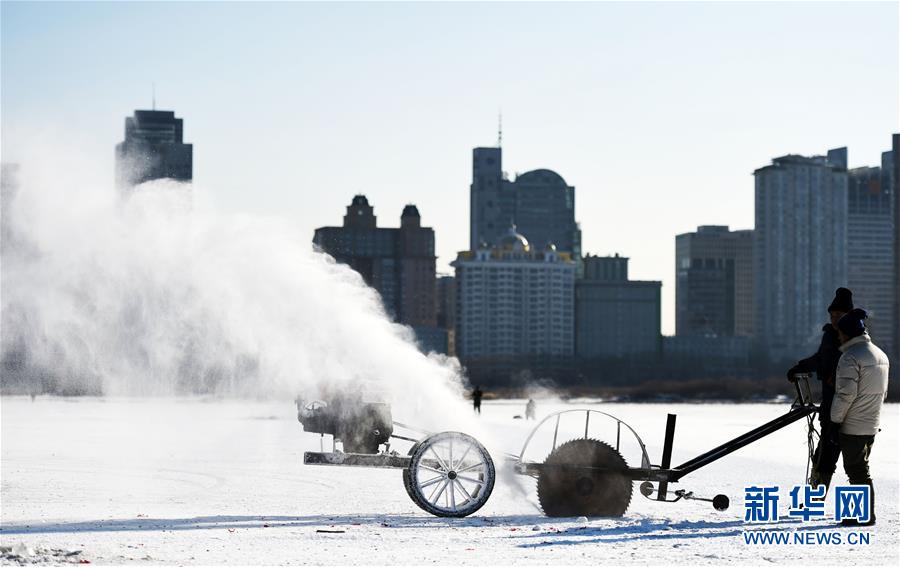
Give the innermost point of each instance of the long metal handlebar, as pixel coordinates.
(802, 407)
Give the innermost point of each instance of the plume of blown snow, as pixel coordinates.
(162, 294)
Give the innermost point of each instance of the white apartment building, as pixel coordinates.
(513, 300)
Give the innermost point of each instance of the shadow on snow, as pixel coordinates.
(610, 530)
(259, 522)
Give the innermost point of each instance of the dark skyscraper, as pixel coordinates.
(398, 262)
(895, 191)
(491, 207)
(545, 210)
(153, 149)
(539, 203)
(870, 247)
(714, 282)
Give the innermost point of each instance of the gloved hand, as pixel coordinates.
(792, 373)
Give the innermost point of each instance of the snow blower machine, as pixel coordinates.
(451, 474)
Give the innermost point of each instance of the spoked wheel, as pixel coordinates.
(450, 474)
(584, 477)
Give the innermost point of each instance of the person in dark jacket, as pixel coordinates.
(476, 399)
(824, 363)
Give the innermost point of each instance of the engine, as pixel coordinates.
(360, 426)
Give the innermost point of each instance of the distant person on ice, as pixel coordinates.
(476, 399)
(824, 363)
(529, 409)
(862, 381)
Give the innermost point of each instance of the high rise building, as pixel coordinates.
(870, 247)
(895, 191)
(153, 148)
(514, 300)
(799, 249)
(714, 282)
(492, 205)
(615, 316)
(398, 262)
(540, 203)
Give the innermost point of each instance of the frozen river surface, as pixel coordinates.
(209, 482)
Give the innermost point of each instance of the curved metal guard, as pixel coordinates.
(645, 459)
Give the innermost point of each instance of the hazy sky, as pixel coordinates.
(657, 113)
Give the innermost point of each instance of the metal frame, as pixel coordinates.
(383, 460)
(378, 460)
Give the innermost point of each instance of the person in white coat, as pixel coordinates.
(860, 390)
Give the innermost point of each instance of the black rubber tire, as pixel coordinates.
(407, 477)
(584, 477)
(417, 453)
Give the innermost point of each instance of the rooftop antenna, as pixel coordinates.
(499, 129)
(154, 96)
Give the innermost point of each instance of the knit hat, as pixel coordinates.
(843, 300)
(853, 324)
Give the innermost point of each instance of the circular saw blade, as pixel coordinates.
(584, 477)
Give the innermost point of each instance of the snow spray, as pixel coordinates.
(160, 294)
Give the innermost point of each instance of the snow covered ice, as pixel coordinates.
(210, 481)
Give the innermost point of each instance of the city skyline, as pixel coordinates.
(651, 118)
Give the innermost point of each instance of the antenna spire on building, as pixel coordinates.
(154, 95)
(499, 129)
